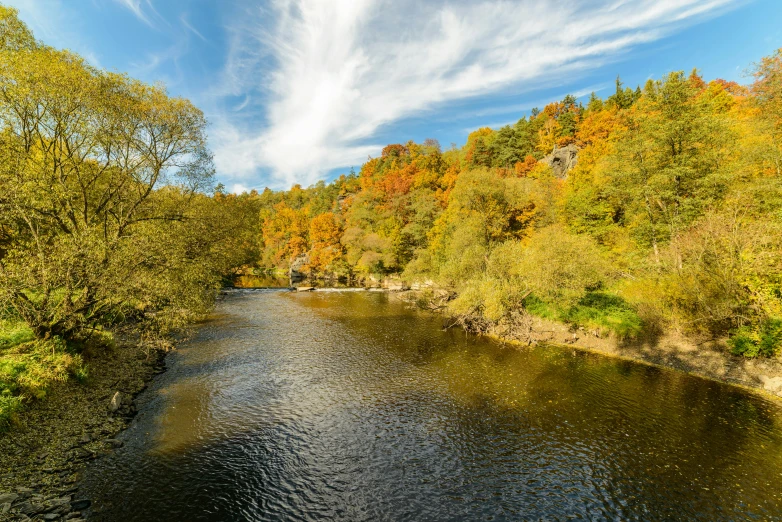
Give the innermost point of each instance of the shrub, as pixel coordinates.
(764, 341)
(561, 268)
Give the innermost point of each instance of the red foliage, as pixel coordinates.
(395, 150)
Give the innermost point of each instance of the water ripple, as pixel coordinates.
(348, 406)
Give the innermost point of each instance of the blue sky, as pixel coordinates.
(301, 90)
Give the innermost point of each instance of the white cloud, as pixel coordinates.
(345, 68)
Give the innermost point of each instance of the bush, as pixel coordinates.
(561, 268)
(764, 341)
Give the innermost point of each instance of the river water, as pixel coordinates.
(351, 406)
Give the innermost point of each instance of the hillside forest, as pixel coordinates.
(657, 208)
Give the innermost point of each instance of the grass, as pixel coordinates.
(29, 366)
(597, 310)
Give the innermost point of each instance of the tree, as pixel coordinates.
(325, 233)
(85, 154)
(669, 166)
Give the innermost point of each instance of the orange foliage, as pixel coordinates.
(286, 230)
(325, 233)
(522, 168)
(598, 126)
(394, 150)
(564, 141)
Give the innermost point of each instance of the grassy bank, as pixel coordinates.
(28, 367)
(597, 311)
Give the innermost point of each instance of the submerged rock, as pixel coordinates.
(79, 505)
(115, 443)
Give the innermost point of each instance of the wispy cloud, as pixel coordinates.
(190, 28)
(139, 8)
(56, 24)
(345, 68)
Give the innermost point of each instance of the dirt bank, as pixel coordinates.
(43, 454)
(706, 358)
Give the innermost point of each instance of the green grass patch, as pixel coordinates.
(13, 333)
(29, 366)
(596, 310)
(764, 340)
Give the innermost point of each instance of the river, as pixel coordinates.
(351, 406)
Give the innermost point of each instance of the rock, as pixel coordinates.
(29, 508)
(79, 505)
(562, 160)
(772, 384)
(115, 443)
(57, 503)
(5, 508)
(341, 200)
(72, 515)
(295, 272)
(50, 516)
(305, 289)
(116, 402)
(85, 439)
(8, 497)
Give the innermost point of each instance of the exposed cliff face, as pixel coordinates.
(296, 271)
(562, 160)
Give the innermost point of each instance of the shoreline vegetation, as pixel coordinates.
(645, 225)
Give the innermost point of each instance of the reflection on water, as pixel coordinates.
(347, 406)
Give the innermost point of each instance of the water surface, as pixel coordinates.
(350, 406)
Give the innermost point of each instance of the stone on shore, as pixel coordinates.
(79, 505)
(8, 497)
(116, 402)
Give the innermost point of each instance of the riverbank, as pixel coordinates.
(44, 453)
(710, 359)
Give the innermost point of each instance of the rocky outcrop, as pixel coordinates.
(296, 272)
(562, 160)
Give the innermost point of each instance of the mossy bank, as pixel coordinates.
(43, 453)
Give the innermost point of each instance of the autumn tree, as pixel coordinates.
(97, 169)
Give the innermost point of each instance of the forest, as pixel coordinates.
(656, 209)
(665, 215)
